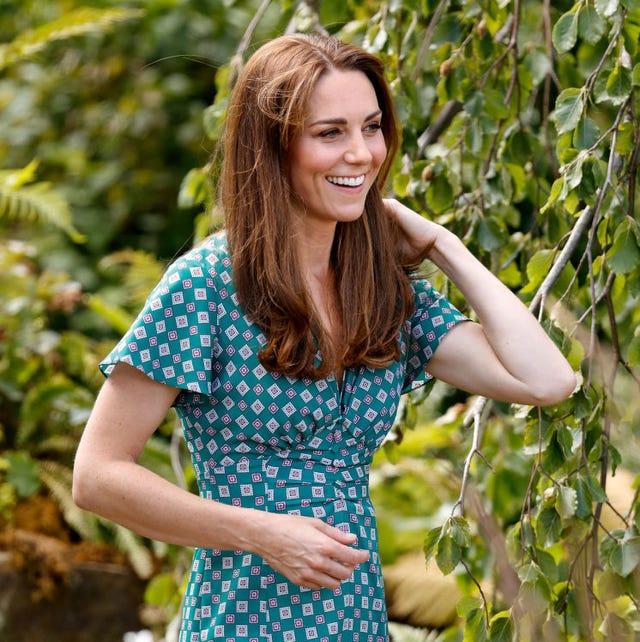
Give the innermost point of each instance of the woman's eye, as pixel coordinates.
(329, 133)
(373, 127)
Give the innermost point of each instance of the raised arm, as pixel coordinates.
(506, 355)
(108, 480)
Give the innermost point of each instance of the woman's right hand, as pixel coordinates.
(307, 551)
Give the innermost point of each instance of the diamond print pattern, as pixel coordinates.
(275, 443)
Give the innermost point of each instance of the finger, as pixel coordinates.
(345, 537)
(319, 580)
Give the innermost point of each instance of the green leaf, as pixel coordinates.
(566, 502)
(606, 8)
(624, 255)
(535, 596)
(491, 234)
(619, 84)
(565, 440)
(625, 140)
(474, 104)
(449, 554)
(586, 135)
(568, 111)
(609, 585)
(558, 191)
(161, 590)
(565, 32)
(459, 531)
(194, 188)
(400, 184)
(573, 173)
(494, 104)
(633, 349)
(22, 473)
(501, 627)
(467, 605)
(548, 526)
(439, 194)
(635, 75)
(625, 557)
(615, 627)
(475, 629)
(591, 26)
(430, 541)
(537, 268)
(596, 490)
(213, 118)
(583, 499)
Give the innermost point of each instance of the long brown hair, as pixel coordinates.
(266, 112)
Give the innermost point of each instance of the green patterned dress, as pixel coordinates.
(271, 442)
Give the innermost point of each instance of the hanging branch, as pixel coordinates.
(474, 414)
(477, 411)
(237, 60)
(313, 7)
(426, 41)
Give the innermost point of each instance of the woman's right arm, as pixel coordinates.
(108, 480)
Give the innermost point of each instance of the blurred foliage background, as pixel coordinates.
(520, 133)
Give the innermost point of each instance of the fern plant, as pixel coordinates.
(74, 23)
(24, 200)
(48, 380)
(20, 197)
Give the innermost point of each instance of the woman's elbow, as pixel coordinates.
(557, 387)
(83, 485)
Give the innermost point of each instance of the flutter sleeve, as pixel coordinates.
(433, 317)
(172, 338)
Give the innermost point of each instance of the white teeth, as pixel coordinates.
(348, 181)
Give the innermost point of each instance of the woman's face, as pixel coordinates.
(336, 158)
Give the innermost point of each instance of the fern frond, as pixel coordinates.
(57, 479)
(16, 178)
(143, 271)
(118, 318)
(156, 456)
(59, 445)
(138, 553)
(39, 203)
(74, 23)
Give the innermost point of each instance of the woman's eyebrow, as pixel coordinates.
(343, 121)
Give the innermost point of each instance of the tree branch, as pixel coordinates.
(426, 41)
(237, 60)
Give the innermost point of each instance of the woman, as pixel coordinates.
(284, 344)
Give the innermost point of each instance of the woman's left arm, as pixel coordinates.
(507, 355)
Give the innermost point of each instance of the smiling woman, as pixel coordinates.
(285, 343)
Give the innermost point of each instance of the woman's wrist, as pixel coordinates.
(445, 248)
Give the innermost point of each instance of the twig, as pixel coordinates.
(474, 414)
(475, 581)
(581, 225)
(513, 46)
(633, 171)
(236, 61)
(434, 131)
(426, 41)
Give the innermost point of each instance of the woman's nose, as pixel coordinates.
(358, 151)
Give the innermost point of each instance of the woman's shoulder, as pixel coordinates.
(208, 258)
